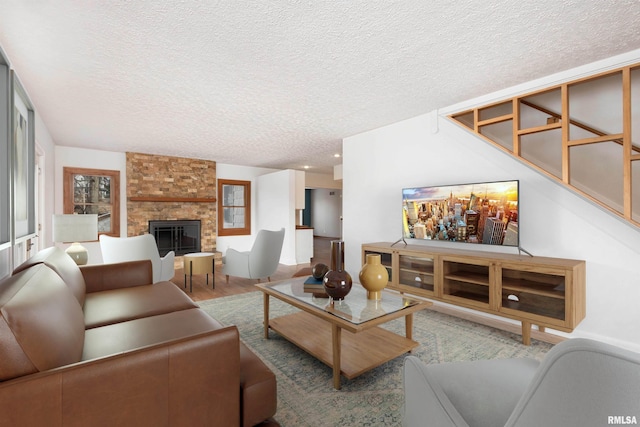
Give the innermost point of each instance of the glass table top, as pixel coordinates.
(355, 307)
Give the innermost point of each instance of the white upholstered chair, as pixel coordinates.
(261, 261)
(579, 383)
(122, 249)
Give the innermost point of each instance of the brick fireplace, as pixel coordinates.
(163, 188)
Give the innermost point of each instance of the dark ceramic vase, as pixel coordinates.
(337, 282)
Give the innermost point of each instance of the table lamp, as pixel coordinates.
(76, 228)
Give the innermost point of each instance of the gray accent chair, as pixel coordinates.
(579, 383)
(260, 262)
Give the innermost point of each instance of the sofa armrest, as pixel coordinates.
(103, 277)
(190, 381)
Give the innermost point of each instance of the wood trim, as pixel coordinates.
(173, 199)
(516, 143)
(220, 209)
(595, 139)
(494, 120)
(476, 119)
(631, 150)
(67, 193)
(627, 144)
(537, 129)
(574, 122)
(564, 120)
(556, 178)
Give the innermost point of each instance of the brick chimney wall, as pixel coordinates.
(166, 179)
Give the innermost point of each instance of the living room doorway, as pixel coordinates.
(323, 211)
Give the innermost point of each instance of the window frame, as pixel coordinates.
(68, 201)
(246, 230)
(6, 155)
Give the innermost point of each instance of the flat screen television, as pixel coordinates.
(477, 213)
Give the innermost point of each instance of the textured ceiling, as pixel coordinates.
(280, 83)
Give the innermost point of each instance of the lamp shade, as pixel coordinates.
(75, 228)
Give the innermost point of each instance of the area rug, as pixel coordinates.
(306, 396)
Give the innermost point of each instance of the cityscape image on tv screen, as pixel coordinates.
(481, 213)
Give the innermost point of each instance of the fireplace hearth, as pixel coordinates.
(182, 236)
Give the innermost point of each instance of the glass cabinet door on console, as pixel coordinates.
(535, 295)
(467, 282)
(416, 271)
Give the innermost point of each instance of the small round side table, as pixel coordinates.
(199, 263)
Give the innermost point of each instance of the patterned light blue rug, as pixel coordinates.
(306, 396)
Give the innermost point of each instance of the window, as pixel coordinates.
(23, 155)
(234, 207)
(94, 191)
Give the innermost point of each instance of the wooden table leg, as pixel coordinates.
(408, 327)
(266, 315)
(336, 333)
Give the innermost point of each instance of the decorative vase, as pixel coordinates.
(374, 277)
(337, 282)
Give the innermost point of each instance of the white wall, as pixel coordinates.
(327, 209)
(276, 209)
(554, 222)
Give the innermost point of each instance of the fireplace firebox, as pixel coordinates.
(182, 236)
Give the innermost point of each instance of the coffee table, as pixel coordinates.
(317, 327)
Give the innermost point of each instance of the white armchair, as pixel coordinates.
(122, 249)
(579, 383)
(261, 261)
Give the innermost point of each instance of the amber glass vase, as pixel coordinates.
(337, 282)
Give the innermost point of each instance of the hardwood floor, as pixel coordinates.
(237, 285)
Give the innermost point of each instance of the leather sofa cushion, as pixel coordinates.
(119, 305)
(258, 387)
(58, 260)
(41, 323)
(126, 336)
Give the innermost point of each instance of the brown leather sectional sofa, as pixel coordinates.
(99, 345)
